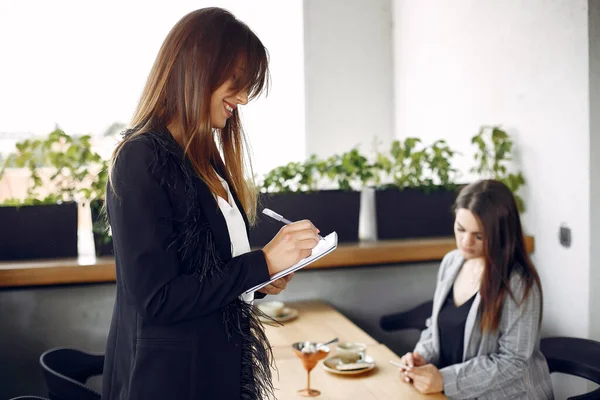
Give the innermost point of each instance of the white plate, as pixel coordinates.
(330, 365)
(288, 315)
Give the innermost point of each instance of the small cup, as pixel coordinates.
(273, 309)
(350, 352)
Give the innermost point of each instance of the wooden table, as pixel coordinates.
(316, 322)
(383, 382)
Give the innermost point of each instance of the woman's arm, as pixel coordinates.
(141, 220)
(425, 344)
(519, 333)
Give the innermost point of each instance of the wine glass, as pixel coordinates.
(310, 356)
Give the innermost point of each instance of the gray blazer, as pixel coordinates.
(506, 364)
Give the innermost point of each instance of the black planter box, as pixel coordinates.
(412, 213)
(39, 231)
(328, 210)
(103, 245)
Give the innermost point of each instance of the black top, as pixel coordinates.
(179, 330)
(451, 322)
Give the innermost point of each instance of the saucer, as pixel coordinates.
(288, 315)
(337, 366)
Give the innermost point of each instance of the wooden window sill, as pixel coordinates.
(96, 270)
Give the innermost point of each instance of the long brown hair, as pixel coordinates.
(504, 246)
(200, 53)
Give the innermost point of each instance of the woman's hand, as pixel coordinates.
(426, 379)
(292, 243)
(277, 286)
(413, 359)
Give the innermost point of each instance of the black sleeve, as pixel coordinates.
(259, 295)
(141, 220)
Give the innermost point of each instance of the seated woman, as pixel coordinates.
(483, 338)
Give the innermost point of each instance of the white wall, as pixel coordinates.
(465, 63)
(524, 65)
(594, 30)
(349, 74)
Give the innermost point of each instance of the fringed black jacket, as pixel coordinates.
(179, 330)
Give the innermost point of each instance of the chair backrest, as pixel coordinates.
(66, 371)
(574, 356)
(412, 319)
(29, 398)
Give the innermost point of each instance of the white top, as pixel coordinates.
(236, 227)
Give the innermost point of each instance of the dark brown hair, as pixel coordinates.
(493, 203)
(200, 53)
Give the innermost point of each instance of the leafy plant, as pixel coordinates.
(440, 164)
(97, 194)
(411, 165)
(77, 172)
(494, 148)
(293, 177)
(349, 170)
(405, 164)
(344, 171)
(100, 225)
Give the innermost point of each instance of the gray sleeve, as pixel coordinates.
(425, 344)
(519, 332)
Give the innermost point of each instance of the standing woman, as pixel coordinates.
(483, 339)
(179, 203)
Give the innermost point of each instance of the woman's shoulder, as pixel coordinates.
(150, 142)
(135, 155)
(151, 150)
(149, 155)
(450, 260)
(135, 145)
(452, 256)
(518, 287)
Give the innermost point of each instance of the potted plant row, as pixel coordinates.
(415, 187)
(64, 171)
(327, 192)
(415, 184)
(417, 190)
(423, 183)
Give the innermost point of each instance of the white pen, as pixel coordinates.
(280, 218)
(399, 365)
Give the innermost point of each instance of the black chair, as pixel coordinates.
(66, 372)
(412, 319)
(29, 398)
(574, 356)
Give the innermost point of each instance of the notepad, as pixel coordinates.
(324, 247)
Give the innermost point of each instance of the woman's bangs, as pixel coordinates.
(254, 65)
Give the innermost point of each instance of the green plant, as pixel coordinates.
(405, 163)
(77, 173)
(100, 225)
(345, 171)
(410, 164)
(349, 170)
(75, 169)
(293, 177)
(494, 148)
(439, 162)
(97, 195)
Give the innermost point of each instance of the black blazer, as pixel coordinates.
(179, 330)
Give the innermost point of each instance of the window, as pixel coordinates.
(82, 67)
